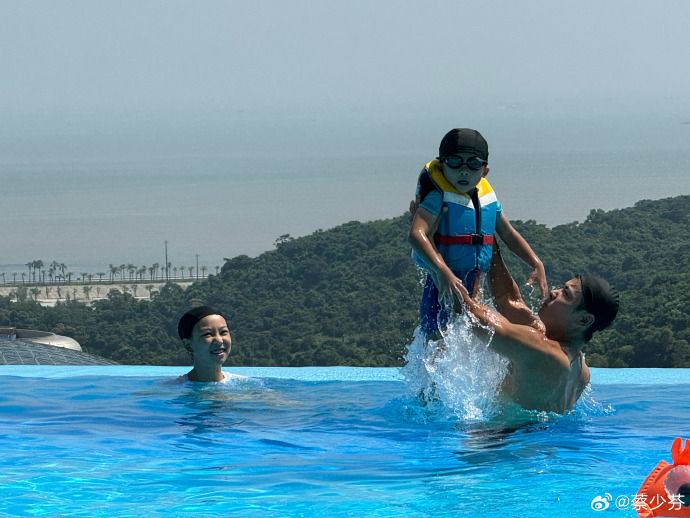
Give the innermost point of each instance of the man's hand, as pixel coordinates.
(413, 209)
(462, 295)
(448, 284)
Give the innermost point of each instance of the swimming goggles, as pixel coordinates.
(456, 162)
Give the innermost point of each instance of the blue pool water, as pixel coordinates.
(123, 441)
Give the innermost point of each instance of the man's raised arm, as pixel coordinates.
(506, 294)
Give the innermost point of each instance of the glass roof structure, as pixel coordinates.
(19, 352)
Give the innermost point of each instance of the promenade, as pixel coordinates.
(49, 294)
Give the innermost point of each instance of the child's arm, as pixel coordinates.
(517, 244)
(423, 226)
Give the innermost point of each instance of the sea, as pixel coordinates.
(195, 191)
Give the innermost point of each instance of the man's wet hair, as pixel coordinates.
(601, 300)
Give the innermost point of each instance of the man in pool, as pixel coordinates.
(547, 370)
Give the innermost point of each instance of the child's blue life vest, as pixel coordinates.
(465, 235)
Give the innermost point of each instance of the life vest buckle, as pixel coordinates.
(477, 239)
(468, 239)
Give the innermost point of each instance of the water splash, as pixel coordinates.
(588, 405)
(457, 376)
(532, 297)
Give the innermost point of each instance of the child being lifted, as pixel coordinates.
(452, 231)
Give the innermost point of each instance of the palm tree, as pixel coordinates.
(28, 265)
(38, 265)
(131, 269)
(122, 269)
(175, 272)
(54, 267)
(87, 291)
(152, 270)
(134, 289)
(23, 277)
(83, 276)
(203, 271)
(35, 291)
(113, 271)
(100, 276)
(191, 271)
(150, 288)
(48, 290)
(182, 271)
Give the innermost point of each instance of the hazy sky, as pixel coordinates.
(333, 57)
(89, 86)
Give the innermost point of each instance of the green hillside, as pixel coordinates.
(349, 295)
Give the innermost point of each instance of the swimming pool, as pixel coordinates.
(122, 441)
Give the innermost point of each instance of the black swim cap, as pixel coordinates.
(600, 299)
(191, 317)
(463, 140)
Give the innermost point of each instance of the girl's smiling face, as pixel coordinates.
(210, 341)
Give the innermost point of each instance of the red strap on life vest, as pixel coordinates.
(472, 239)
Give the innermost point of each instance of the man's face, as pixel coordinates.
(463, 178)
(561, 310)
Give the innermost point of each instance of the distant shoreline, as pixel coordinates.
(86, 292)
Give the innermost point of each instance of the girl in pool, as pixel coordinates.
(205, 334)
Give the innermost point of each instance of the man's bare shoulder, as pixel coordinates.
(548, 383)
(524, 344)
(584, 375)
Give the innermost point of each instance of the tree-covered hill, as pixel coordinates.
(645, 252)
(349, 295)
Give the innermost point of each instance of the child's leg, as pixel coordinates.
(430, 308)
